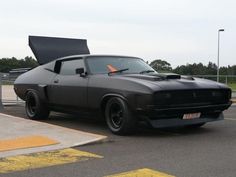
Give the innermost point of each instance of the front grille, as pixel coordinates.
(185, 98)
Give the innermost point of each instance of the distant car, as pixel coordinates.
(123, 89)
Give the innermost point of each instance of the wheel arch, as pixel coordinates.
(40, 90)
(29, 90)
(106, 97)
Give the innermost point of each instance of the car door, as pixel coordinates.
(68, 89)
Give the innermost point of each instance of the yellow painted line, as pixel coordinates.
(233, 100)
(43, 159)
(145, 172)
(25, 142)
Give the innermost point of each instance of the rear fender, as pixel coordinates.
(41, 91)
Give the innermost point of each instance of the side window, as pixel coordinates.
(68, 67)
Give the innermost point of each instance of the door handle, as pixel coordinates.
(56, 81)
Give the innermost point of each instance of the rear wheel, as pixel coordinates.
(34, 107)
(119, 117)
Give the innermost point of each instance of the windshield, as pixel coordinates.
(109, 64)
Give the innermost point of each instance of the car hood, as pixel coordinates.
(171, 81)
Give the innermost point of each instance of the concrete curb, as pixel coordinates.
(20, 127)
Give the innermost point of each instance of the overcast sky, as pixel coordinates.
(179, 31)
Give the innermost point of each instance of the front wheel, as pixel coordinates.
(119, 118)
(34, 107)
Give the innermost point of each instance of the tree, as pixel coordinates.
(211, 68)
(7, 64)
(161, 65)
(196, 69)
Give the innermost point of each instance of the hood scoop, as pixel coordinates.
(145, 77)
(47, 49)
(169, 76)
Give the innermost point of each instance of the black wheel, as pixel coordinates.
(34, 107)
(118, 117)
(196, 125)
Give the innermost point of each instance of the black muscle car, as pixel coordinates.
(122, 89)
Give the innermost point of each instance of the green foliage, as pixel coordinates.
(161, 65)
(192, 69)
(232, 86)
(7, 64)
(196, 69)
(200, 69)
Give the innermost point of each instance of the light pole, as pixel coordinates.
(218, 55)
(1, 105)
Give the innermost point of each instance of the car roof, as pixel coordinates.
(94, 55)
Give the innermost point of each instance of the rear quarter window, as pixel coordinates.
(69, 67)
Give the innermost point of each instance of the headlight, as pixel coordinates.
(162, 97)
(216, 93)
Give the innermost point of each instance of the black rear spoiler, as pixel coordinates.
(47, 49)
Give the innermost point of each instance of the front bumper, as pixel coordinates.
(177, 122)
(173, 117)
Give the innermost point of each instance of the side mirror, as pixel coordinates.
(80, 71)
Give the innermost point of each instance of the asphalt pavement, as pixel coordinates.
(209, 151)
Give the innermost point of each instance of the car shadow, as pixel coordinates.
(166, 132)
(98, 126)
(95, 125)
(78, 122)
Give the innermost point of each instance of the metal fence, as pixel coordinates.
(7, 94)
(226, 79)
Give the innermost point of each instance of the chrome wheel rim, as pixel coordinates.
(116, 115)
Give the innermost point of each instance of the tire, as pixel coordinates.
(119, 117)
(34, 107)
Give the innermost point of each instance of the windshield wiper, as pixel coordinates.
(146, 71)
(118, 71)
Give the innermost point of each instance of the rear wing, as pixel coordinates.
(47, 49)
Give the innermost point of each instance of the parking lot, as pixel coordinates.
(208, 151)
(91, 88)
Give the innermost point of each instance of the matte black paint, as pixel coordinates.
(90, 93)
(47, 49)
